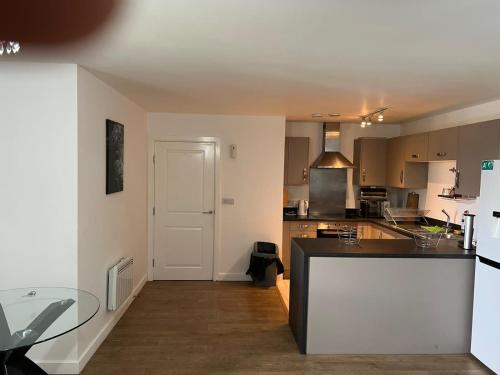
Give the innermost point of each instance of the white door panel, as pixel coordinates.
(485, 343)
(488, 238)
(184, 185)
(184, 198)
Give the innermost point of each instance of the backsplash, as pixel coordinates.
(440, 177)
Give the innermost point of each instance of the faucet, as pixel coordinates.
(447, 220)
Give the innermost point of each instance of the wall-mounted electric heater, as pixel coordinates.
(120, 282)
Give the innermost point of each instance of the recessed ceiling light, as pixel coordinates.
(333, 114)
(317, 115)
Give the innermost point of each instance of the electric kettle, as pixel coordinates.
(302, 207)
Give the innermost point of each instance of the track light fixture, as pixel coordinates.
(9, 47)
(366, 120)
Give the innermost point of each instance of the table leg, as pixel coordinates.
(15, 362)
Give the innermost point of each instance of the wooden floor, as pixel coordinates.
(233, 328)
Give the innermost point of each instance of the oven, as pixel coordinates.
(337, 230)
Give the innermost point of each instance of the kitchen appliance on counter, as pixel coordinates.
(373, 202)
(290, 211)
(467, 243)
(485, 344)
(302, 207)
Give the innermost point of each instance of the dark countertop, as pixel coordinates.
(399, 248)
(323, 219)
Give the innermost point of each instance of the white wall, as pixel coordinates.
(254, 179)
(58, 227)
(109, 226)
(38, 189)
(469, 115)
(439, 177)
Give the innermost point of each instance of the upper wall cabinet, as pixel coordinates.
(296, 160)
(443, 144)
(477, 142)
(416, 147)
(370, 161)
(400, 173)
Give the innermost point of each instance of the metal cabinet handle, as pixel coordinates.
(363, 174)
(415, 156)
(304, 174)
(457, 179)
(208, 212)
(401, 175)
(442, 154)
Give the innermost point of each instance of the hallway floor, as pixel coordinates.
(233, 328)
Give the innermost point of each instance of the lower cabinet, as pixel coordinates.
(308, 229)
(295, 229)
(369, 231)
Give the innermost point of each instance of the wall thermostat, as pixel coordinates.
(233, 151)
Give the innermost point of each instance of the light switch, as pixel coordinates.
(228, 201)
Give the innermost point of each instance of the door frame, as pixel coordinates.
(151, 198)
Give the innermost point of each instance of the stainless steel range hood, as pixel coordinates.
(331, 157)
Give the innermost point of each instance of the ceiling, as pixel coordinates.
(296, 57)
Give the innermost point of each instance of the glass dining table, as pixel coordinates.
(30, 316)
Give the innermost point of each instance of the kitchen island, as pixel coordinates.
(381, 297)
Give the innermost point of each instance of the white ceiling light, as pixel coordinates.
(9, 47)
(366, 120)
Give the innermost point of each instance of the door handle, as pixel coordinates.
(401, 175)
(441, 154)
(208, 212)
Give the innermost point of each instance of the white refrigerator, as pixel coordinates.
(486, 317)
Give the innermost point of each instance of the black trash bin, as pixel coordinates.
(265, 264)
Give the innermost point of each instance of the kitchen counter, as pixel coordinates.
(404, 229)
(400, 248)
(372, 298)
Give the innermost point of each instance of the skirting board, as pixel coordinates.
(75, 367)
(233, 277)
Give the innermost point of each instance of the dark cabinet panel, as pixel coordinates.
(296, 160)
(395, 162)
(443, 144)
(370, 161)
(416, 147)
(476, 142)
(400, 173)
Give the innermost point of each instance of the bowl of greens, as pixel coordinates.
(428, 236)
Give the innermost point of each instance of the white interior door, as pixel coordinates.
(184, 210)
